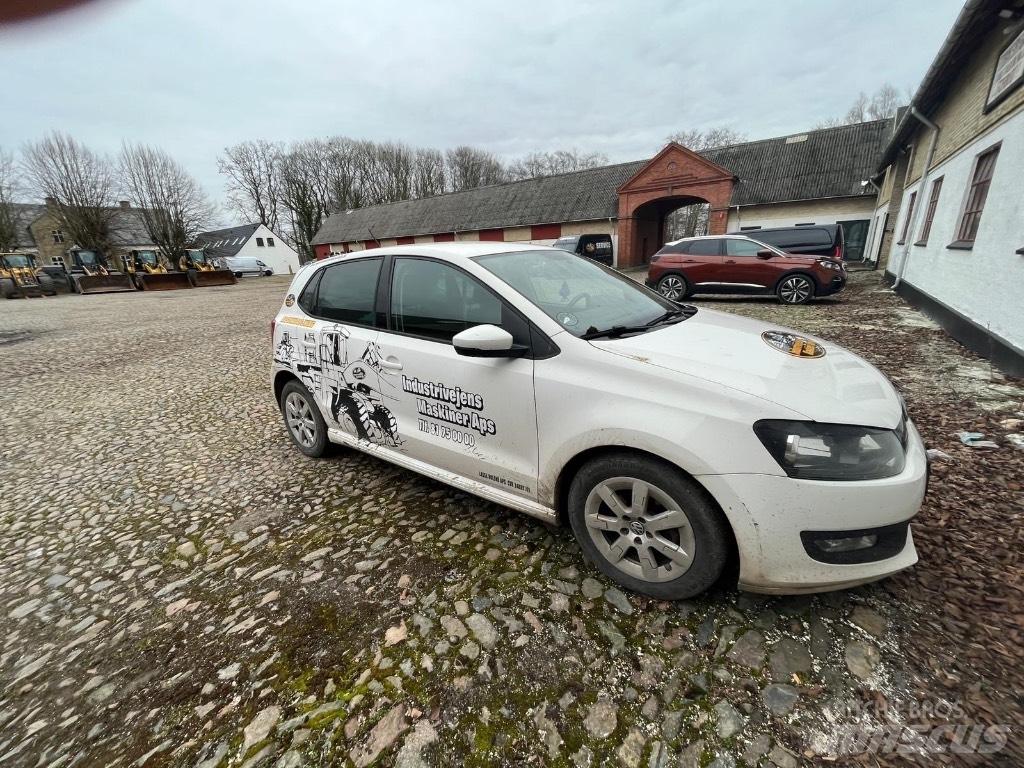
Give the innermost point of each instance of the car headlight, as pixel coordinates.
(812, 451)
(829, 264)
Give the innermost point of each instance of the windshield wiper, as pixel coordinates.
(677, 315)
(671, 317)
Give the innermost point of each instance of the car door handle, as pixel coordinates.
(730, 261)
(391, 363)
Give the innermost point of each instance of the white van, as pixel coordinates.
(247, 265)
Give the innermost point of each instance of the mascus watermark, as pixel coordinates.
(954, 733)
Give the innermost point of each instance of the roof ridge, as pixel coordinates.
(489, 186)
(798, 133)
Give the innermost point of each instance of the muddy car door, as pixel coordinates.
(330, 345)
(473, 416)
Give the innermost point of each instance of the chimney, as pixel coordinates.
(124, 204)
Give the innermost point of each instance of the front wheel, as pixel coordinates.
(306, 426)
(647, 526)
(673, 287)
(795, 289)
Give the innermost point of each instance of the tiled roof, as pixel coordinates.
(226, 242)
(830, 162)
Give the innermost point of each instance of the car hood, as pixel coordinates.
(726, 349)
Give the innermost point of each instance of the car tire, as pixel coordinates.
(268, 273)
(795, 289)
(682, 557)
(303, 421)
(674, 287)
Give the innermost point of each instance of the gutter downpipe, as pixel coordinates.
(921, 203)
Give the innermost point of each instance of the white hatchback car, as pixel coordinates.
(671, 439)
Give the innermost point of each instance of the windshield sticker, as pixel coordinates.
(794, 345)
(353, 390)
(448, 403)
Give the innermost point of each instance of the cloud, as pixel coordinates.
(612, 77)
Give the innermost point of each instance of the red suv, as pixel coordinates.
(738, 264)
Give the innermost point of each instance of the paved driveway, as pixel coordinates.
(179, 586)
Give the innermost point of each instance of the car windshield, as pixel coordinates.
(582, 296)
(18, 261)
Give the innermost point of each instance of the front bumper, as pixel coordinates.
(776, 519)
(832, 284)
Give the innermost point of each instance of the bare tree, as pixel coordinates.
(690, 220)
(698, 140)
(469, 167)
(537, 164)
(173, 206)
(254, 180)
(9, 188)
(81, 185)
(308, 177)
(881, 104)
(428, 173)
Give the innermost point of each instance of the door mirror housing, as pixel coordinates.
(487, 341)
(764, 253)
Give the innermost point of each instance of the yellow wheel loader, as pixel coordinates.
(201, 273)
(19, 277)
(151, 275)
(90, 274)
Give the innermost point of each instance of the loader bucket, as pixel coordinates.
(212, 277)
(115, 281)
(168, 281)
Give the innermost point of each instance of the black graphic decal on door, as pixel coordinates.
(352, 390)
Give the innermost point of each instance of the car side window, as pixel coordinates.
(742, 248)
(435, 300)
(704, 248)
(348, 290)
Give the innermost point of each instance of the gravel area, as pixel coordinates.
(180, 587)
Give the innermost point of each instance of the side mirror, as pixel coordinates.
(764, 253)
(486, 341)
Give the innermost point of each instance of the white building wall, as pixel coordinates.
(986, 283)
(281, 258)
(802, 212)
(872, 250)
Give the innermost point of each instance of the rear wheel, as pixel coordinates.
(795, 289)
(647, 526)
(674, 287)
(7, 289)
(306, 426)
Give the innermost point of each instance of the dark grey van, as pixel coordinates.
(815, 240)
(596, 247)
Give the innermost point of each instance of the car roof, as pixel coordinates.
(447, 251)
(730, 236)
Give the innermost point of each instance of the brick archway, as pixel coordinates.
(673, 177)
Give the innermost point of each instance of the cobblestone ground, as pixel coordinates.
(179, 586)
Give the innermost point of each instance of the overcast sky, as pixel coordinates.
(613, 77)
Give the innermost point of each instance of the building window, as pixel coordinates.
(58, 236)
(270, 242)
(976, 196)
(259, 242)
(1009, 71)
(929, 213)
(906, 221)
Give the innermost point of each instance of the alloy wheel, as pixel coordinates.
(795, 290)
(299, 417)
(639, 529)
(672, 287)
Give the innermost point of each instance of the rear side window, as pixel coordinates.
(704, 248)
(307, 299)
(347, 291)
(794, 238)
